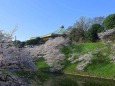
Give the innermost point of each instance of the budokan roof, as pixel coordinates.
(60, 31)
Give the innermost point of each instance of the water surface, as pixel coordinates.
(68, 80)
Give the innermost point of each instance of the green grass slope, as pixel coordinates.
(95, 69)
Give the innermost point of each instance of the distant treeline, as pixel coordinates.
(31, 42)
(83, 30)
(87, 29)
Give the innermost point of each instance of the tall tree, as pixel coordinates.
(92, 34)
(76, 34)
(98, 20)
(12, 58)
(109, 21)
(83, 23)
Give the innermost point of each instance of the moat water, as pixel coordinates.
(69, 80)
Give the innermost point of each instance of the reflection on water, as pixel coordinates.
(69, 80)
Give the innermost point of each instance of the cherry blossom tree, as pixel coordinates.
(50, 51)
(12, 58)
(12, 55)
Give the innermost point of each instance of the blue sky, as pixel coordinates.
(39, 17)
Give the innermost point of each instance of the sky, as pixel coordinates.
(33, 18)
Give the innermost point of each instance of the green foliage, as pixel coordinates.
(101, 57)
(16, 42)
(40, 63)
(106, 70)
(66, 50)
(33, 41)
(80, 48)
(19, 43)
(100, 61)
(70, 68)
(91, 34)
(91, 46)
(109, 21)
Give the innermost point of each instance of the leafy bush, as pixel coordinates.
(100, 57)
(66, 50)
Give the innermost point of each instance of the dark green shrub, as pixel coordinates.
(91, 34)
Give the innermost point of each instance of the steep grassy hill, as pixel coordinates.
(100, 64)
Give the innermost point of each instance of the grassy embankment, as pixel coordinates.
(101, 69)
